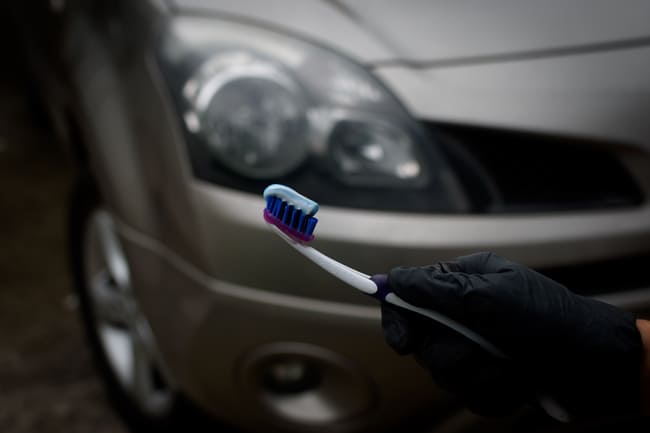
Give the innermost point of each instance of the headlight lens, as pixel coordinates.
(370, 153)
(249, 113)
(259, 106)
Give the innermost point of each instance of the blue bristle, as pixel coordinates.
(288, 212)
(269, 202)
(283, 208)
(276, 207)
(311, 225)
(301, 221)
(294, 217)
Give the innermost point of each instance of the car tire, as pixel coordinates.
(104, 321)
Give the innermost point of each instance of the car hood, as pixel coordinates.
(377, 31)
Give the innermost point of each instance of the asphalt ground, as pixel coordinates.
(47, 380)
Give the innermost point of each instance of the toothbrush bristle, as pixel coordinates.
(289, 218)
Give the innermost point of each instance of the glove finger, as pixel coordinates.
(397, 329)
(483, 263)
(404, 330)
(448, 266)
(486, 384)
(454, 361)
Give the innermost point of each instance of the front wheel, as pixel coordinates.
(119, 333)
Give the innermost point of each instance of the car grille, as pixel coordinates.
(506, 171)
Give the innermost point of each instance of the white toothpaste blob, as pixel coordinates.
(290, 196)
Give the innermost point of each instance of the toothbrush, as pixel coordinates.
(291, 215)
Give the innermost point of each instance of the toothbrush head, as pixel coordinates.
(291, 212)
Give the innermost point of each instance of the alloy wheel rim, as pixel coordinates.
(123, 331)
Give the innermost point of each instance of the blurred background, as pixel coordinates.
(139, 286)
(47, 382)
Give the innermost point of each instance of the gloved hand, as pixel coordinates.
(584, 353)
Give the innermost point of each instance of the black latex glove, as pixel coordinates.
(585, 353)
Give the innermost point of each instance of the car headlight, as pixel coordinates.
(249, 112)
(259, 106)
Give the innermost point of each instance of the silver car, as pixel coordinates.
(424, 129)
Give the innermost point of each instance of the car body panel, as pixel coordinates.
(313, 19)
(422, 30)
(603, 95)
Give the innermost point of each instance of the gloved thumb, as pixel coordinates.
(398, 332)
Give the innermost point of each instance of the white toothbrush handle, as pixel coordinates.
(354, 278)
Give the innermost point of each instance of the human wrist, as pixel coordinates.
(644, 329)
